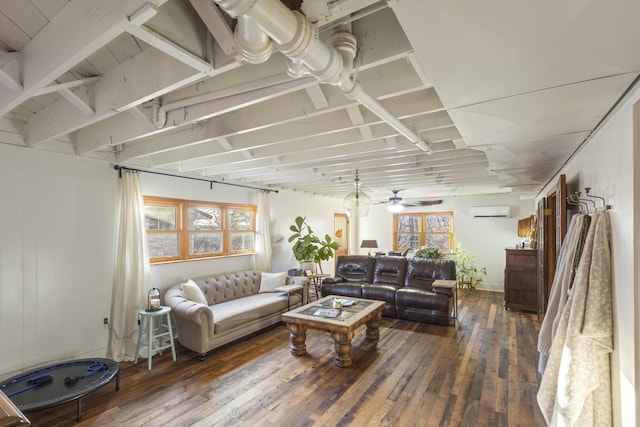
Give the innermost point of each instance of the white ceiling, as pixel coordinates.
(504, 92)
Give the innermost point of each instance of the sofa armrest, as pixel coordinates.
(442, 291)
(332, 280)
(298, 280)
(444, 287)
(198, 315)
(194, 321)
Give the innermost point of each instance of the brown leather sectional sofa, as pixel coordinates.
(405, 284)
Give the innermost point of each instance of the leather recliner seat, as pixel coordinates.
(405, 285)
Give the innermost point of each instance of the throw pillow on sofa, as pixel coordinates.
(193, 292)
(270, 281)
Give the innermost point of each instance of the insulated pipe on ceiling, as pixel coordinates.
(254, 46)
(298, 40)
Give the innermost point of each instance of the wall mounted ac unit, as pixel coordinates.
(490, 211)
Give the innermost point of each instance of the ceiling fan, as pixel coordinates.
(397, 204)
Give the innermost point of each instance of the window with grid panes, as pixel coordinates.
(184, 229)
(430, 229)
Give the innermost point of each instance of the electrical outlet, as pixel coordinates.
(105, 321)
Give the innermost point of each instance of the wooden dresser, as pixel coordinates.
(520, 280)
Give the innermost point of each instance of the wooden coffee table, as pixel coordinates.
(341, 327)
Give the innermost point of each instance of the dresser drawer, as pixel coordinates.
(521, 280)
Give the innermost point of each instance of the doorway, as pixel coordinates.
(341, 233)
(553, 228)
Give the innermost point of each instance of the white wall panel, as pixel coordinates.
(56, 253)
(285, 207)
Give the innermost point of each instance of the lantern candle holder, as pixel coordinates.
(153, 300)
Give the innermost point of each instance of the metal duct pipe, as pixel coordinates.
(298, 40)
(253, 44)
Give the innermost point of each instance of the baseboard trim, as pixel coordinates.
(492, 287)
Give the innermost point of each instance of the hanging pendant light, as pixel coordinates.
(357, 202)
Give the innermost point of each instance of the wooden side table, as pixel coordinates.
(316, 279)
(453, 285)
(292, 289)
(157, 336)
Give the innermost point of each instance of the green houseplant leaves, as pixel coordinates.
(308, 246)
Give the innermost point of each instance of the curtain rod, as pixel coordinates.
(210, 181)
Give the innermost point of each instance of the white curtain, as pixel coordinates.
(131, 277)
(262, 257)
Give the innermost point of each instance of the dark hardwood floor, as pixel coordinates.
(482, 372)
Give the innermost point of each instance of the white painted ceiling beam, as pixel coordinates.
(429, 190)
(249, 73)
(143, 77)
(286, 176)
(263, 144)
(317, 97)
(406, 171)
(391, 174)
(79, 99)
(228, 124)
(78, 30)
(264, 163)
(272, 112)
(265, 171)
(170, 48)
(106, 133)
(165, 142)
(393, 171)
(344, 143)
(10, 70)
(289, 160)
(216, 24)
(207, 109)
(13, 131)
(57, 87)
(222, 161)
(425, 162)
(379, 184)
(225, 81)
(309, 124)
(371, 186)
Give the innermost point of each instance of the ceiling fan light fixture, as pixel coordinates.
(357, 203)
(395, 207)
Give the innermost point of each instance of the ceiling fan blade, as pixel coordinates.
(429, 202)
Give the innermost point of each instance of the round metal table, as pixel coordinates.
(53, 385)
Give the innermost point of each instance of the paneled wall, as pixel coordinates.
(56, 252)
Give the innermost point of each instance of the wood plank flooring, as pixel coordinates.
(482, 372)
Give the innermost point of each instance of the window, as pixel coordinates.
(184, 229)
(431, 229)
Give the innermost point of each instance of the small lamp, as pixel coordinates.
(369, 244)
(526, 229)
(153, 300)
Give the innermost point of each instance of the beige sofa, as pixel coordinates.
(234, 309)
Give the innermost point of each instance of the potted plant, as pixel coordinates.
(426, 252)
(310, 247)
(467, 274)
